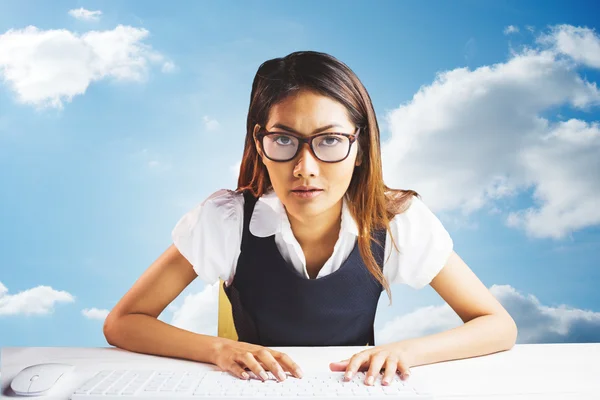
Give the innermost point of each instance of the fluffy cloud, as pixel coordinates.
(85, 15)
(48, 67)
(168, 66)
(36, 301)
(95, 313)
(473, 138)
(198, 313)
(511, 29)
(210, 124)
(581, 44)
(536, 323)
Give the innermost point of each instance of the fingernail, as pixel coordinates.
(264, 375)
(385, 382)
(348, 375)
(281, 375)
(370, 380)
(245, 375)
(299, 373)
(405, 375)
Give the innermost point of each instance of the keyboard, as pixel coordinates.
(179, 384)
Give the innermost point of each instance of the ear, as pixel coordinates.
(359, 157)
(256, 142)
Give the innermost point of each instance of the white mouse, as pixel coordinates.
(38, 379)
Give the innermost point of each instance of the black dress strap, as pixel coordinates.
(249, 204)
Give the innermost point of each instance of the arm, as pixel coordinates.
(133, 323)
(488, 328)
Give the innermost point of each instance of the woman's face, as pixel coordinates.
(306, 112)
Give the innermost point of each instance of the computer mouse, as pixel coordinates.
(38, 379)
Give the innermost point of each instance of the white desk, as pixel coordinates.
(539, 371)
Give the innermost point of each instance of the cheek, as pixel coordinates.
(277, 174)
(339, 176)
(346, 168)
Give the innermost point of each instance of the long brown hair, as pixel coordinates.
(370, 201)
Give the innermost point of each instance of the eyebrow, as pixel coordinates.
(323, 128)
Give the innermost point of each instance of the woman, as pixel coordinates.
(308, 241)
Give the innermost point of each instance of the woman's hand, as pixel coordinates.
(235, 357)
(374, 359)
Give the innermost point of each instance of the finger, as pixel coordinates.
(342, 365)
(339, 365)
(404, 371)
(375, 363)
(236, 370)
(289, 365)
(357, 361)
(271, 363)
(253, 365)
(391, 365)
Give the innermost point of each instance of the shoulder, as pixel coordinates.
(223, 204)
(209, 234)
(423, 243)
(414, 209)
(227, 202)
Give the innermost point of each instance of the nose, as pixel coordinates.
(306, 165)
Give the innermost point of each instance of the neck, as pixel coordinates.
(321, 228)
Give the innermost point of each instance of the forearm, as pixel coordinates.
(142, 333)
(480, 336)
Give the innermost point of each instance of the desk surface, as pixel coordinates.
(533, 371)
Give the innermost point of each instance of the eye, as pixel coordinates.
(331, 140)
(283, 140)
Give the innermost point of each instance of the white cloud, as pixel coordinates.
(536, 323)
(168, 66)
(210, 124)
(581, 44)
(95, 313)
(511, 29)
(472, 138)
(36, 301)
(567, 188)
(85, 15)
(199, 311)
(48, 67)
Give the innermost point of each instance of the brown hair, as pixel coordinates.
(370, 201)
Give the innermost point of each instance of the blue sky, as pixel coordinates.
(116, 118)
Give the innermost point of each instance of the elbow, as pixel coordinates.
(512, 332)
(109, 329)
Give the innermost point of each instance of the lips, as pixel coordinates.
(303, 189)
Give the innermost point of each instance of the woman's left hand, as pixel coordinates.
(375, 359)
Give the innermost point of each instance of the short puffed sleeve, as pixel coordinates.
(209, 235)
(424, 243)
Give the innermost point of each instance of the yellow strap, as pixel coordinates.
(226, 327)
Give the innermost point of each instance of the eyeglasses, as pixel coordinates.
(330, 147)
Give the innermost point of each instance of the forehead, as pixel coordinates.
(307, 110)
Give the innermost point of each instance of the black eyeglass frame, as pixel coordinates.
(262, 132)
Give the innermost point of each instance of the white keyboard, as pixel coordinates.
(177, 384)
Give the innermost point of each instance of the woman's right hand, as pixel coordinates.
(235, 357)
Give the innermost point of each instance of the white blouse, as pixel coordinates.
(209, 237)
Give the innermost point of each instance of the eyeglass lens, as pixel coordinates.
(328, 148)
